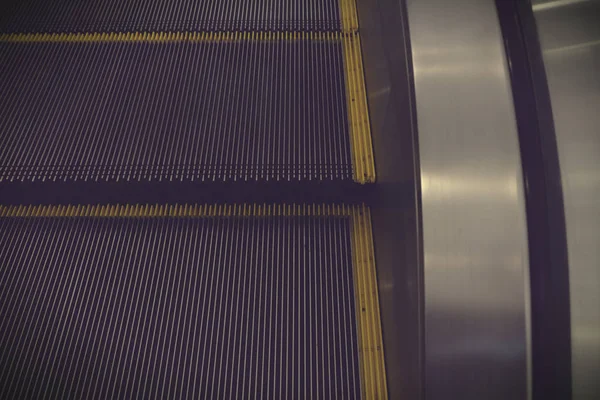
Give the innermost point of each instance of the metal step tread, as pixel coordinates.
(217, 301)
(184, 106)
(65, 16)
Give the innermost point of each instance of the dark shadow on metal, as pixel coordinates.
(395, 198)
(49, 192)
(549, 270)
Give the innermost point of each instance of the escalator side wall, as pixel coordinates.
(475, 244)
(394, 202)
(448, 208)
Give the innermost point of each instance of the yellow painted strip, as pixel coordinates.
(358, 112)
(348, 15)
(370, 340)
(161, 37)
(363, 114)
(356, 99)
(177, 210)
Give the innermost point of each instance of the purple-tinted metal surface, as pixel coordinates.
(177, 307)
(169, 15)
(548, 255)
(140, 111)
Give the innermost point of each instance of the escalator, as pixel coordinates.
(189, 199)
(296, 199)
(200, 301)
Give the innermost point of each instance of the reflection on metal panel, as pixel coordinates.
(474, 228)
(570, 37)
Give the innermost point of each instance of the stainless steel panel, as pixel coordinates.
(569, 33)
(394, 204)
(474, 227)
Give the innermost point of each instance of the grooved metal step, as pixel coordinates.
(31, 16)
(195, 302)
(206, 106)
(107, 99)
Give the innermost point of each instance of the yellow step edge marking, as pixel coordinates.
(165, 37)
(176, 210)
(370, 340)
(363, 115)
(356, 99)
(358, 112)
(348, 15)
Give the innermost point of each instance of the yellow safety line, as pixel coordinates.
(348, 15)
(358, 112)
(370, 341)
(356, 96)
(164, 37)
(185, 210)
(356, 99)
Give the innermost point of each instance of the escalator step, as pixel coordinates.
(189, 301)
(37, 16)
(181, 106)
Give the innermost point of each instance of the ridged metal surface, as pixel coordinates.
(220, 107)
(164, 15)
(212, 307)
